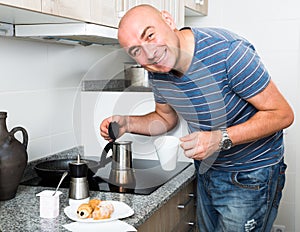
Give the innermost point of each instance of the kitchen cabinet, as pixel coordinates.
(196, 7)
(177, 215)
(26, 4)
(79, 9)
(105, 12)
(109, 13)
(176, 9)
(159, 4)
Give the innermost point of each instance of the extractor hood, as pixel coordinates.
(69, 33)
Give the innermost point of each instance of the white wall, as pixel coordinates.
(39, 83)
(273, 26)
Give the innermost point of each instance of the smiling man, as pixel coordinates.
(156, 47)
(217, 82)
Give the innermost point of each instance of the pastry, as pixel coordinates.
(94, 203)
(101, 212)
(95, 209)
(84, 211)
(107, 205)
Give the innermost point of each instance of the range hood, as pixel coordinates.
(69, 33)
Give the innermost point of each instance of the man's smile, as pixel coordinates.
(161, 58)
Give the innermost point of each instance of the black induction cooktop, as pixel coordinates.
(148, 176)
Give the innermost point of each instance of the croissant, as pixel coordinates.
(107, 205)
(101, 213)
(94, 203)
(84, 211)
(95, 209)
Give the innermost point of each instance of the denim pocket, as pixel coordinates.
(252, 180)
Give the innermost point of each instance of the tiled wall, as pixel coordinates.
(273, 26)
(39, 84)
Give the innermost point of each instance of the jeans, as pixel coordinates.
(239, 201)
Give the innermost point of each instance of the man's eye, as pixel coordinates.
(150, 36)
(136, 52)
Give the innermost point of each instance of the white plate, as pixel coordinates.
(121, 210)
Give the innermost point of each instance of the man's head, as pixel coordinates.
(149, 37)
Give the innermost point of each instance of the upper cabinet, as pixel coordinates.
(79, 9)
(105, 12)
(35, 5)
(109, 13)
(196, 7)
(176, 9)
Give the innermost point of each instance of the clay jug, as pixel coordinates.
(13, 159)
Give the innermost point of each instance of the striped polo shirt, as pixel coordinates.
(212, 94)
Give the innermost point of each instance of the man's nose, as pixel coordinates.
(150, 52)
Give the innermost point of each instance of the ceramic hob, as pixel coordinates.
(148, 176)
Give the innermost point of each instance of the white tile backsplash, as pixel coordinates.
(39, 86)
(96, 106)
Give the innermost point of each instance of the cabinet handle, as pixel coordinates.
(191, 223)
(192, 226)
(191, 197)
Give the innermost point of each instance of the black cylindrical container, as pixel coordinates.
(78, 169)
(79, 187)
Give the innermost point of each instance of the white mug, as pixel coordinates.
(167, 151)
(49, 204)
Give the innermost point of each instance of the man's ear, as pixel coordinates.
(167, 17)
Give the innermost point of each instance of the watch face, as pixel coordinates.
(227, 144)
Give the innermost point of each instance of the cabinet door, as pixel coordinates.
(109, 13)
(159, 4)
(105, 12)
(196, 7)
(176, 215)
(26, 4)
(176, 9)
(79, 9)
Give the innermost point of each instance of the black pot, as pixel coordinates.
(52, 170)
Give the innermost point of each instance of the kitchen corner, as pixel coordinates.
(22, 212)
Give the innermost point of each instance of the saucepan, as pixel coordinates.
(52, 170)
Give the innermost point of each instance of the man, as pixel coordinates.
(216, 81)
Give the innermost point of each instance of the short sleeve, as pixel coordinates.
(246, 73)
(157, 96)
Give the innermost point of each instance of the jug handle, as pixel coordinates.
(103, 159)
(24, 133)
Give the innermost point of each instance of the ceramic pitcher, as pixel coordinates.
(13, 159)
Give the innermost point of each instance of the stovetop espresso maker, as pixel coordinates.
(122, 172)
(79, 187)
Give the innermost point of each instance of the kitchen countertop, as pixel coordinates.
(22, 212)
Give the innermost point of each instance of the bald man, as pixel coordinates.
(217, 82)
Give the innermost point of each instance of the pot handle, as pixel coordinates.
(24, 133)
(104, 159)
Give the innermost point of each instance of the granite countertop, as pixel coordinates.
(22, 212)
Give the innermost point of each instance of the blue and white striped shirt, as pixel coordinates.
(224, 73)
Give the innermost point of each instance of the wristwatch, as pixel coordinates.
(225, 143)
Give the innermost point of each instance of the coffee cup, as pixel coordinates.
(167, 151)
(49, 203)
